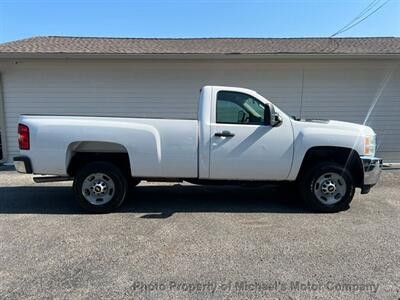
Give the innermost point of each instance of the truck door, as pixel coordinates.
(243, 146)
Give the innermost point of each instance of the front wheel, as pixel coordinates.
(100, 187)
(327, 187)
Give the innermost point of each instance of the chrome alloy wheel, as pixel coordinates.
(98, 188)
(330, 188)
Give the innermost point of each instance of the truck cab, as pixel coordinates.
(243, 136)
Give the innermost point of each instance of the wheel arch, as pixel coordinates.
(80, 153)
(347, 157)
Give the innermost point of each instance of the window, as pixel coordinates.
(239, 108)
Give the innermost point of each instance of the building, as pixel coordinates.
(349, 79)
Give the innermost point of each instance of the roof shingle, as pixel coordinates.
(123, 46)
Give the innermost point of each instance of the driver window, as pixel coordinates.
(239, 108)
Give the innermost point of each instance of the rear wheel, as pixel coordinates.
(100, 187)
(327, 187)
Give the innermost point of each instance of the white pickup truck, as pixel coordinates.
(239, 138)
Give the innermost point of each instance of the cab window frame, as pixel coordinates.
(262, 123)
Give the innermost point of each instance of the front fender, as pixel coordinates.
(308, 138)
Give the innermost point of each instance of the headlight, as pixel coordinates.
(369, 145)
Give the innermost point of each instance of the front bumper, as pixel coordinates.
(23, 164)
(372, 170)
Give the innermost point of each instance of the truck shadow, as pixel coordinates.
(156, 202)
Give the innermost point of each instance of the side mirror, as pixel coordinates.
(271, 117)
(276, 120)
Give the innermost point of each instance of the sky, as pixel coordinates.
(193, 18)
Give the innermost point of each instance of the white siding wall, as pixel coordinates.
(347, 92)
(169, 89)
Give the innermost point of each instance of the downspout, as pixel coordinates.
(3, 124)
(302, 93)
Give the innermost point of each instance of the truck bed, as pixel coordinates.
(156, 147)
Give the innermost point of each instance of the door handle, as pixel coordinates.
(224, 133)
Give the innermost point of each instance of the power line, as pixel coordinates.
(362, 15)
(355, 24)
(366, 10)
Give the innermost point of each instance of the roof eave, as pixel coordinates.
(24, 55)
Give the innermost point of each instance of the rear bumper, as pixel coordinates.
(372, 171)
(23, 164)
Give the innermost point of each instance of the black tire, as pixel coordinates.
(112, 174)
(309, 186)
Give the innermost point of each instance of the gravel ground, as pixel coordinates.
(186, 241)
